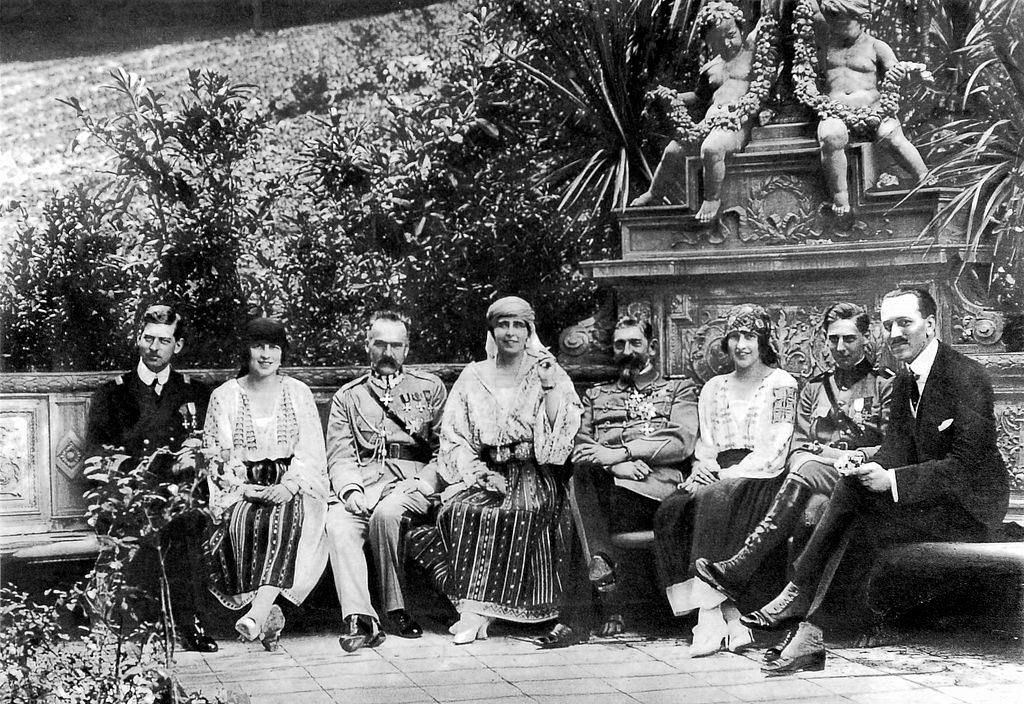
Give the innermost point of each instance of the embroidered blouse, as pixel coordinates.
(762, 423)
(477, 416)
(236, 436)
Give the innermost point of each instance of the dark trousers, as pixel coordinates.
(603, 509)
(857, 525)
(181, 542)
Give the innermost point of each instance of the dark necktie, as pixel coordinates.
(915, 393)
(152, 387)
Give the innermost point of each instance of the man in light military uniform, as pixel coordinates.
(381, 443)
(841, 419)
(632, 450)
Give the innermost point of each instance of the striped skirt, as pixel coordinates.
(256, 546)
(500, 555)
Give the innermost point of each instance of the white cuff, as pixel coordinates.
(892, 486)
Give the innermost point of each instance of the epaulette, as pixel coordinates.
(884, 372)
(602, 388)
(422, 375)
(354, 383)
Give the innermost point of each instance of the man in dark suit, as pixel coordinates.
(136, 414)
(938, 476)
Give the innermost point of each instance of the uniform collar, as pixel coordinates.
(147, 376)
(845, 378)
(388, 382)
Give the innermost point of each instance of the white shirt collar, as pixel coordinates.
(147, 375)
(922, 364)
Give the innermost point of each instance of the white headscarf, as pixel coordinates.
(511, 307)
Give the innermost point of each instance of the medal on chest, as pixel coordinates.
(640, 407)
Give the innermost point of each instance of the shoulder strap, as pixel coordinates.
(840, 413)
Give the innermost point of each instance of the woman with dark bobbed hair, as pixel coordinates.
(746, 420)
(268, 486)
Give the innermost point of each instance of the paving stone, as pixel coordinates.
(779, 689)
(866, 685)
(974, 677)
(697, 695)
(279, 686)
(602, 654)
(552, 687)
(474, 692)
(546, 672)
(445, 664)
(364, 681)
(718, 662)
(287, 672)
(346, 666)
(533, 659)
(617, 698)
(721, 678)
(433, 652)
(650, 684)
(995, 694)
(290, 698)
(390, 695)
(914, 696)
(454, 677)
(633, 669)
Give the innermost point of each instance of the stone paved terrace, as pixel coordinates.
(312, 669)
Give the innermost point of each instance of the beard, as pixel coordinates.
(629, 366)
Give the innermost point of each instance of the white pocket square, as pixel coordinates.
(945, 424)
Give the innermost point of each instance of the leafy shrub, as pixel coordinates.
(64, 285)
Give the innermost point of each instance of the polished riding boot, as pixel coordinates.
(731, 576)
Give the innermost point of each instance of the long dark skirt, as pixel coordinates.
(713, 522)
(255, 546)
(500, 555)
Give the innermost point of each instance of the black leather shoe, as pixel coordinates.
(403, 625)
(775, 652)
(192, 638)
(709, 572)
(810, 662)
(785, 610)
(354, 634)
(560, 636)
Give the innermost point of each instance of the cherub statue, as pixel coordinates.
(735, 81)
(861, 97)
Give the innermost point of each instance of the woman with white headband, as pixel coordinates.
(507, 432)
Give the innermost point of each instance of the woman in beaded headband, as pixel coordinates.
(752, 320)
(746, 419)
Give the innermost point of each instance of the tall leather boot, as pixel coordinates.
(731, 576)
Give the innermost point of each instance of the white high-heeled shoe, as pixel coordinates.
(710, 634)
(472, 628)
(247, 628)
(739, 636)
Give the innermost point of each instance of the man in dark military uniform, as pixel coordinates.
(381, 443)
(841, 420)
(138, 413)
(633, 448)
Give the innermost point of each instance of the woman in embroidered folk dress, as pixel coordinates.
(268, 487)
(746, 421)
(507, 431)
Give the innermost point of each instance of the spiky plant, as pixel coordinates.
(981, 152)
(597, 58)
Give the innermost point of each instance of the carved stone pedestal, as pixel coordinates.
(775, 245)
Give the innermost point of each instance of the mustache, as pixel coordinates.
(629, 361)
(898, 341)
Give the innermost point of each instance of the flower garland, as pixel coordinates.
(728, 116)
(864, 119)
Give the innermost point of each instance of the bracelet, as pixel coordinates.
(547, 388)
(629, 454)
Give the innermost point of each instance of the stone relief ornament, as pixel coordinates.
(15, 472)
(1009, 428)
